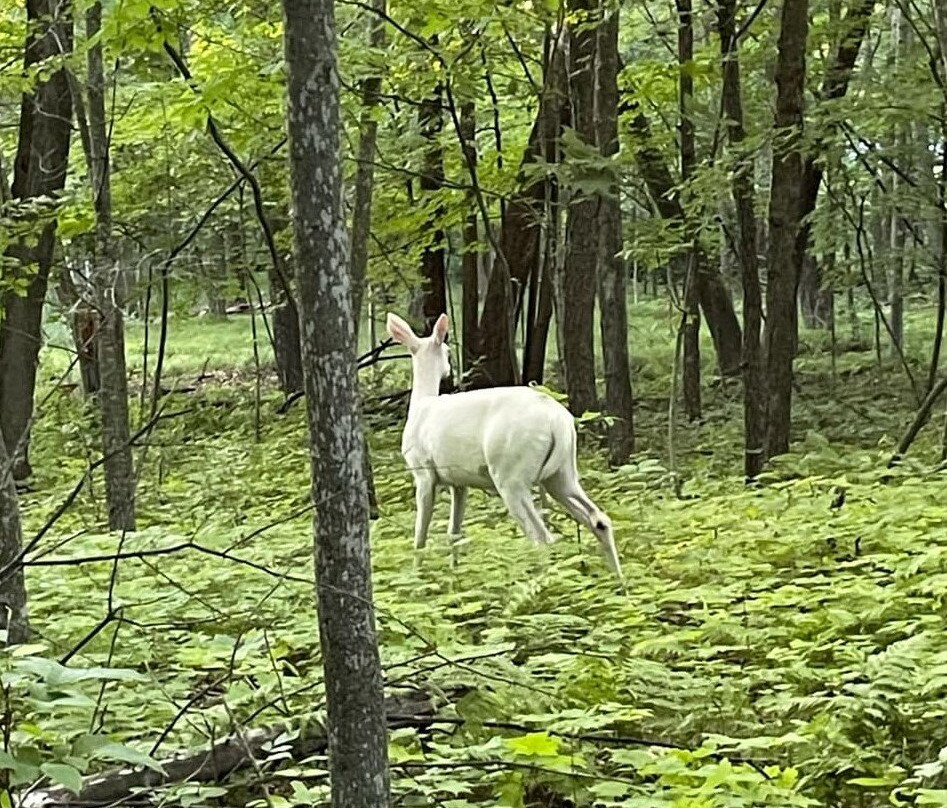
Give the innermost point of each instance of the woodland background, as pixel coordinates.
(716, 229)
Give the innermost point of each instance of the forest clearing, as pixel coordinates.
(280, 522)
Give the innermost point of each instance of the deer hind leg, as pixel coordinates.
(519, 502)
(458, 501)
(565, 489)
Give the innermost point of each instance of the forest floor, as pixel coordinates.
(778, 645)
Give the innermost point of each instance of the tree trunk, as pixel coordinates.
(613, 301)
(690, 340)
(582, 223)
(754, 394)
(715, 300)
(550, 277)
(352, 668)
(940, 17)
(785, 224)
(84, 325)
(690, 321)
(810, 280)
(285, 322)
(433, 260)
(362, 212)
(534, 359)
(113, 375)
(834, 86)
(365, 171)
(896, 228)
(896, 274)
(470, 270)
(13, 613)
(520, 235)
(40, 167)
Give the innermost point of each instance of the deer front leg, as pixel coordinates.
(424, 500)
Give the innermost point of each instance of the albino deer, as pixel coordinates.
(506, 440)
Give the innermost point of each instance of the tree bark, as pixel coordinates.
(433, 260)
(896, 232)
(754, 394)
(353, 679)
(286, 347)
(470, 269)
(110, 348)
(582, 223)
(613, 302)
(365, 170)
(785, 224)
(362, 210)
(690, 338)
(39, 169)
(690, 321)
(940, 18)
(13, 612)
(815, 299)
(84, 325)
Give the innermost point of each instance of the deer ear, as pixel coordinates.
(441, 327)
(401, 332)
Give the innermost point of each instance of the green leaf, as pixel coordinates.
(65, 775)
(535, 744)
(100, 747)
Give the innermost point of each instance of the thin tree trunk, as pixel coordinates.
(941, 14)
(470, 269)
(433, 260)
(810, 280)
(546, 275)
(690, 321)
(550, 277)
(286, 348)
(754, 397)
(365, 169)
(84, 325)
(715, 299)
(612, 294)
(785, 224)
(113, 393)
(690, 339)
(853, 321)
(896, 235)
(834, 86)
(582, 224)
(362, 212)
(534, 363)
(40, 165)
(352, 668)
(13, 613)
(520, 235)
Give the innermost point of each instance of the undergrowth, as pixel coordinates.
(778, 645)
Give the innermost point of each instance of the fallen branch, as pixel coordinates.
(919, 420)
(213, 764)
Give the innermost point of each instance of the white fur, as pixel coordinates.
(505, 439)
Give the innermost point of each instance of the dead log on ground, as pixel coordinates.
(213, 764)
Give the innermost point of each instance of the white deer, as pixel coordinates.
(506, 440)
